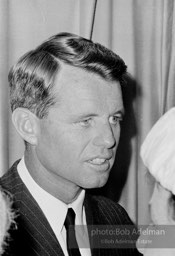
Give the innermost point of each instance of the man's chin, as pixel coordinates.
(98, 183)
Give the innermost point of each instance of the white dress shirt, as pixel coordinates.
(55, 210)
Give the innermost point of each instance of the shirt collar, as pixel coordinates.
(77, 205)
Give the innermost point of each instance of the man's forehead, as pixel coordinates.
(68, 72)
(70, 79)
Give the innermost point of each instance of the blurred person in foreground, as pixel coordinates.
(158, 155)
(67, 106)
(7, 219)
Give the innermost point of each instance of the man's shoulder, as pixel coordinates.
(108, 215)
(10, 179)
(109, 209)
(106, 203)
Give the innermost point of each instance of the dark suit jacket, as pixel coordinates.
(34, 236)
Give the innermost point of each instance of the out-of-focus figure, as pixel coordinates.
(158, 155)
(6, 220)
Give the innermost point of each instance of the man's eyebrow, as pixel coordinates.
(121, 111)
(85, 115)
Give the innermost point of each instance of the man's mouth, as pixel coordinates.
(98, 161)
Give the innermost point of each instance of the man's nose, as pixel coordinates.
(105, 136)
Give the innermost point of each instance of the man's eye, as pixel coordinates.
(85, 122)
(115, 119)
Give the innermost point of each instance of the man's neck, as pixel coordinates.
(64, 190)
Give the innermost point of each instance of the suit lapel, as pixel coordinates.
(38, 226)
(32, 223)
(95, 218)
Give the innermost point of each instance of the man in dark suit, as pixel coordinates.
(67, 106)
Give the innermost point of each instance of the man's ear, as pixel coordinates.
(26, 124)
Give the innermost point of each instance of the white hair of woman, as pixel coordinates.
(158, 155)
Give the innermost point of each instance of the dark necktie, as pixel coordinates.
(69, 223)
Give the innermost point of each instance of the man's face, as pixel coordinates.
(78, 139)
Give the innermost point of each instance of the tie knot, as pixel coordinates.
(70, 218)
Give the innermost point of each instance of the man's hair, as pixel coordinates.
(32, 78)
